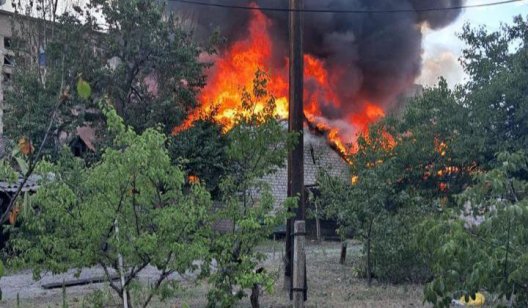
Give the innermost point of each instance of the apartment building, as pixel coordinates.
(6, 59)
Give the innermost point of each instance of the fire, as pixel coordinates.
(193, 179)
(235, 68)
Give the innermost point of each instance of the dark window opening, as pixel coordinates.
(7, 78)
(9, 60)
(7, 42)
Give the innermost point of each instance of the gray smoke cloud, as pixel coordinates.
(378, 55)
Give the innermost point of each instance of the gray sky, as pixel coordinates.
(442, 48)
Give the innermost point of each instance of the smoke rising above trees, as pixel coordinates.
(377, 56)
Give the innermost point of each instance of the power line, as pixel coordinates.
(336, 11)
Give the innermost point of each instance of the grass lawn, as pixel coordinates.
(330, 285)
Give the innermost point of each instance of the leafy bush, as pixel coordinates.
(492, 256)
(396, 256)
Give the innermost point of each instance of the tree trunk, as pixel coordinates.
(255, 292)
(369, 267)
(124, 296)
(129, 304)
(342, 259)
(317, 224)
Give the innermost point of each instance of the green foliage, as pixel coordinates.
(83, 89)
(442, 139)
(201, 150)
(139, 58)
(396, 254)
(431, 135)
(156, 73)
(258, 145)
(376, 209)
(131, 205)
(467, 258)
(7, 172)
(497, 92)
(28, 106)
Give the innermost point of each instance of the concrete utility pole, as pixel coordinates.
(296, 156)
(299, 265)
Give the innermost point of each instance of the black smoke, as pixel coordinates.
(379, 54)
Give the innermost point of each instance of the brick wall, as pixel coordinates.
(318, 157)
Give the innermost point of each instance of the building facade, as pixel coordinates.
(6, 60)
(319, 157)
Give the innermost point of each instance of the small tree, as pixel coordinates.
(258, 145)
(124, 213)
(369, 196)
(359, 205)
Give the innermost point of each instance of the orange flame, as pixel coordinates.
(235, 68)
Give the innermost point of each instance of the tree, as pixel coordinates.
(201, 150)
(443, 141)
(125, 212)
(434, 148)
(406, 168)
(138, 56)
(496, 94)
(257, 145)
(363, 204)
(469, 257)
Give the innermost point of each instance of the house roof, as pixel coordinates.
(87, 135)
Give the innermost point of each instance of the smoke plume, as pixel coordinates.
(374, 56)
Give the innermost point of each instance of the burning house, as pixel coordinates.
(357, 66)
(319, 157)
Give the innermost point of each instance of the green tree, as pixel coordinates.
(363, 205)
(467, 257)
(201, 150)
(433, 147)
(258, 145)
(442, 140)
(125, 212)
(496, 94)
(406, 168)
(135, 53)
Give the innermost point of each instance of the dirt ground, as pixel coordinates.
(329, 285)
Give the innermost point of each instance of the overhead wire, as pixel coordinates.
(341, 11)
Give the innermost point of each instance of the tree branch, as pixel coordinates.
(112, 284)
(162, 277)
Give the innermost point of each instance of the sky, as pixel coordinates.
(442, 48)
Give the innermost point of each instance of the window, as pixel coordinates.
(7, 42)
(9, 60)
(7, 78)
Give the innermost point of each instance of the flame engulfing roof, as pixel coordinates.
(356, 65)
